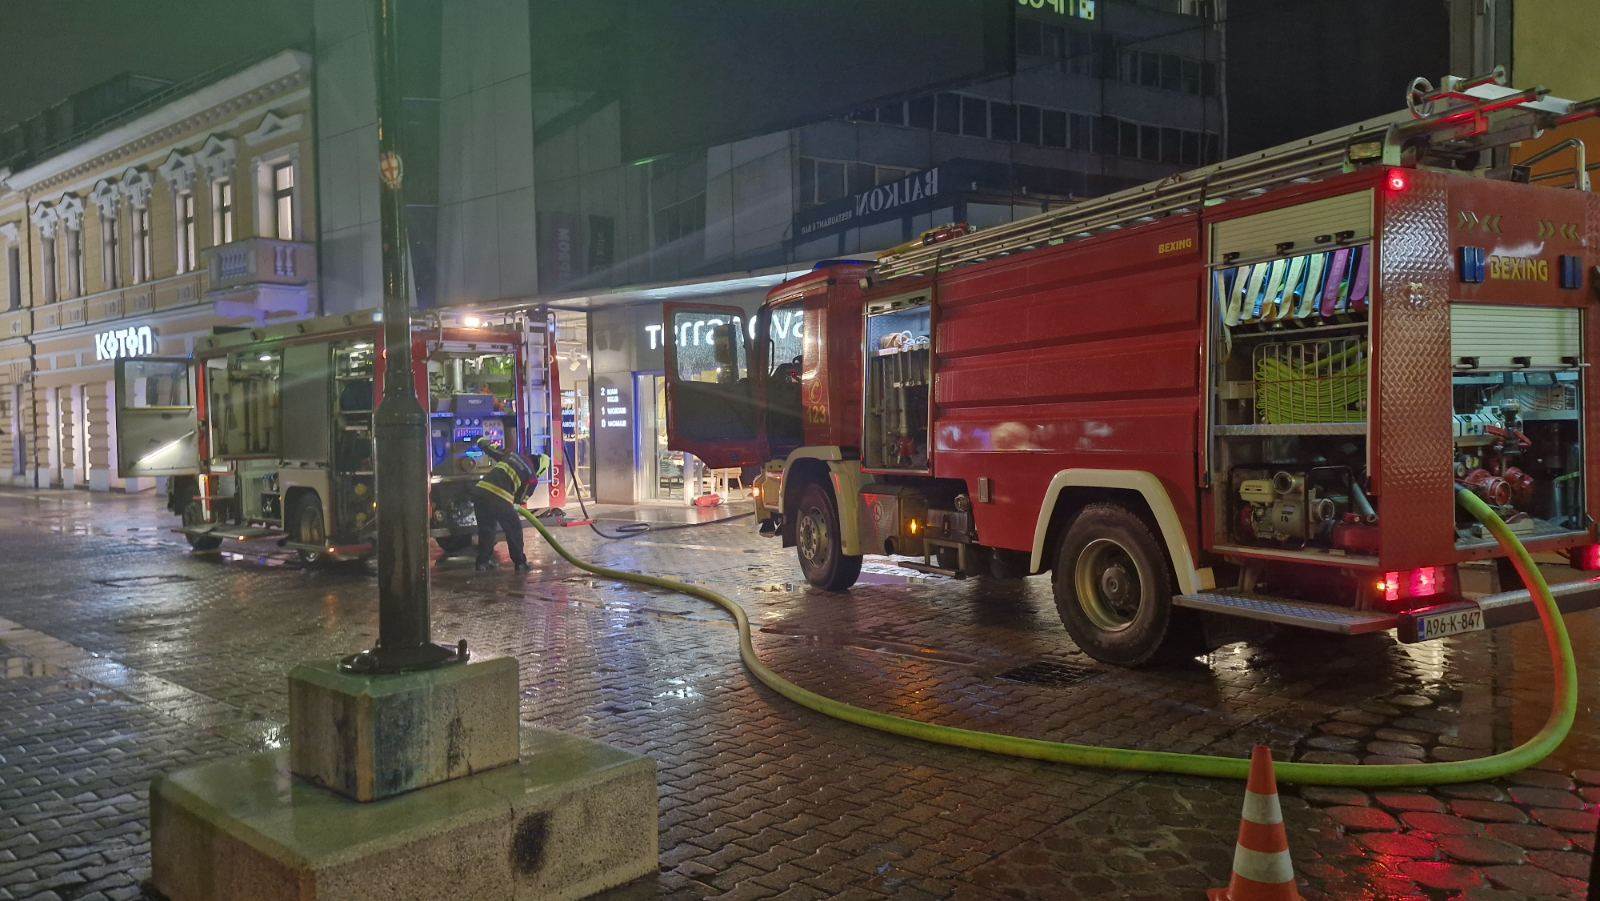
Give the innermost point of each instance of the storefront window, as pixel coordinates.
(663, 472)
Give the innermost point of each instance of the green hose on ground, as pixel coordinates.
(1563, 708)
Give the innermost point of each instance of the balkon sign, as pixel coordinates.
(900, 197)
(133, 341)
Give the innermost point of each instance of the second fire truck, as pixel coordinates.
(267, 433)
(1249, 390)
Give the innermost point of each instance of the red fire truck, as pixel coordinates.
(1248, 390)
(267, 433)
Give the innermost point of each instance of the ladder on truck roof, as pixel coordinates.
(1452, 126)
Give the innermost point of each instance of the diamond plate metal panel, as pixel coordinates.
(1308, 615)
(1411, 444)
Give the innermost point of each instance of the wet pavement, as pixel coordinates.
(123, 655)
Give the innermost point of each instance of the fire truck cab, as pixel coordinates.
(1248, 391)
(267, 433)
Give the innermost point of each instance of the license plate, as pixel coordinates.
(1449, 622)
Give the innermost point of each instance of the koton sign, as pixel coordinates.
(133, 341)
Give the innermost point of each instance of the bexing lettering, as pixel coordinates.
(1174, 246)
(1518, 269)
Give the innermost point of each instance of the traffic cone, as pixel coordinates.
(1261, 867)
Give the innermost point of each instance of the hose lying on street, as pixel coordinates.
(1563, 708)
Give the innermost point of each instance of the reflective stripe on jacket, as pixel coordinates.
(510, 478)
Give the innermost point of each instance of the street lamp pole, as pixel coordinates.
(400, 425)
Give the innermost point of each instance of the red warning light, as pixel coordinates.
(1398, 180)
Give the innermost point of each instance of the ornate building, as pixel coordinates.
(189, 211)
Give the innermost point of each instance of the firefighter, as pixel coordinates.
(495, 498)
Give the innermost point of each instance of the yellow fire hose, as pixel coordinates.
(1563, 707)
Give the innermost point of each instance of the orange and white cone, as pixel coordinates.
(1262, 870)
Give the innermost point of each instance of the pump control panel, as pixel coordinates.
(455, 431)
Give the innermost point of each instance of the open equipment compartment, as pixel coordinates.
(899, 381)
(1517, 428)
(1291, 375)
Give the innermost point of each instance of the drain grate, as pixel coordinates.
(1051, 672)
(143, 581)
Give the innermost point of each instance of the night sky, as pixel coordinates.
(52, 48)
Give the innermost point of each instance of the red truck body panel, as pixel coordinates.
(1077, 356)
(1092, 354)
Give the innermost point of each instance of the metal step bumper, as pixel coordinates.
(1502, 609)
(1305, 614)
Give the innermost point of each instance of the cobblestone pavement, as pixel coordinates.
(124, 655)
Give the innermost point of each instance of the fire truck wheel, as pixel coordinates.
(204, 542)
(1113, 587)
(309, 527)
(817, 538)
(454, 544)
(193, 515)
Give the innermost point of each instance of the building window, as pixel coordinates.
(974, 117)
(74, 262)
(822, 181)
(1128, 144)
(14, 276)
(681, 220)
(1171, 146)
(948, 118)
(1081, 131)
(141, 245)
(47, 268)
(1189, 154)
(222, 212)
(919, 112)
(830, 181)
(1171, 72)
(1002, 121)
(887, 174)
(110, 241)
(1191, 76)
(1028, 124)
(283, 201)
(1150, 142)
(1055, 128)
(187, 250)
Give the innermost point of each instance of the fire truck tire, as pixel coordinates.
(309, 527)
(190, 513)
(454, 544)
(1113, 587)
(194, 514)
(817, 539)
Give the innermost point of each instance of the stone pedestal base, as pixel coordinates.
(371, 737)
(572, 818)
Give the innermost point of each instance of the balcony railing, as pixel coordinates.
(259, 261)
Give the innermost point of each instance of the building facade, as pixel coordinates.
(522, 194)
(190, 212)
